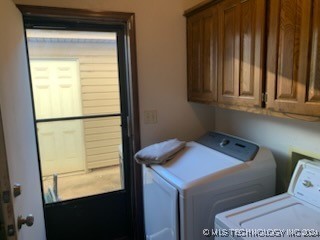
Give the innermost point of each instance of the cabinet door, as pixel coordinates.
(202, 51)
(293, 62)
(241, 51)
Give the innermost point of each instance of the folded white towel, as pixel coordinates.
(160, 152)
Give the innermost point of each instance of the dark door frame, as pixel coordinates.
(128, 21)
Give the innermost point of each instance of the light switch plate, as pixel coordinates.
(150, 117)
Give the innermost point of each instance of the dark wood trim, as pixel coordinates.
(72, 13)
(138, 215)
(268, 112)
(128, 20)
(199, 7)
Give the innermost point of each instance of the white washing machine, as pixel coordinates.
(292, 215)
(210, 175)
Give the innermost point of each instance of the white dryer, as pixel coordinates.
(213, 174)
(292, 215)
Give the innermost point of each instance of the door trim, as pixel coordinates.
(128, 20)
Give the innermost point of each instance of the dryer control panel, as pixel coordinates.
(305, 182)
(229, 145)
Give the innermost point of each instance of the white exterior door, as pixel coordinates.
(56, 91)
(16, 108)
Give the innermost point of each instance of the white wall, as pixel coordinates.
(161, 52)
(279, 134)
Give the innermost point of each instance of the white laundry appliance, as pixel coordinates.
(215, 173)
(292, 215)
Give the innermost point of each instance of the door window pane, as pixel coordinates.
(73, 73)
(74, 76)
(80, 158)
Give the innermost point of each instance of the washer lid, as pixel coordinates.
(296, 216)
(193, 164)
(283, 212)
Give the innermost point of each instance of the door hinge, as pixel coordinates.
(6, 196)
(264, 97)
(10, 230)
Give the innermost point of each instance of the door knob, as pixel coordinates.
(27, 221)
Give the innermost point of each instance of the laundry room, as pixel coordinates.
(244, 73)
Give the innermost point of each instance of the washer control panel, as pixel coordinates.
(229, 145)
(305, 183)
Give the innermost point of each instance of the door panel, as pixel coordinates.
(230, 50)
(210, 56)
(289, 45)
(89, 219)
(247, 49)
(61, 147)
(56, 90)
(241, 48)
(7, 217)
(293, 57)
(202, 56)
(16, 107)
(194, 33)
(314, 81)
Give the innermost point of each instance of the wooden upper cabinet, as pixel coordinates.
(293, 58)
(241, 51)
(202, 48)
